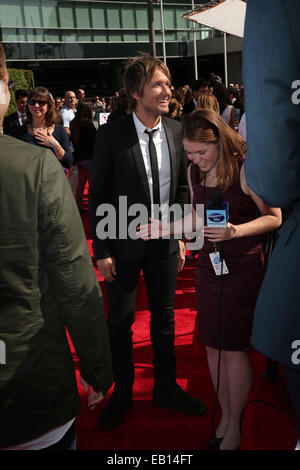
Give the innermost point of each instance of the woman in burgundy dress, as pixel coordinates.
(216, 152)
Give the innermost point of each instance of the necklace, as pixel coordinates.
(33, 130)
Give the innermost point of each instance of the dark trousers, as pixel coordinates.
(292, 376)
(160, 274)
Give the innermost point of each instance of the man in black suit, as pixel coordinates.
(124, 165)
(17, 118)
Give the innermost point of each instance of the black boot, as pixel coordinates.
(113, 413)
(172, 396)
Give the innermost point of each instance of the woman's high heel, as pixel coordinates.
(214, 443)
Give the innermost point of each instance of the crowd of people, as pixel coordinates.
(44, 120)
(229, 102)
(161, 147)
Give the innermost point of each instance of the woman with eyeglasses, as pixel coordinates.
(42, 128)
(225, 300)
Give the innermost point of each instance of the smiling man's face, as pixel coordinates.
(154, 100)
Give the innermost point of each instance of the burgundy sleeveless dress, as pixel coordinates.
(230, 331)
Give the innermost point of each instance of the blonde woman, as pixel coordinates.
(175, 109)
(208, 102)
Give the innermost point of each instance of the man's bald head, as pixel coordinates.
(70, 99)
(80, 94)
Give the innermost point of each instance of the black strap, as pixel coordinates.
(154, 167)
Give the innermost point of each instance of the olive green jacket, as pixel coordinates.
(47, 284)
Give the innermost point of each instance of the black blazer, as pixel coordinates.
(118, 170)
(117, 113)
(10, 122)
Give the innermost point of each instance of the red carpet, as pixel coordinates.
(146, 427)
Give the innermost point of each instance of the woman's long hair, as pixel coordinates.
(84, 113)
(222, 95)
(43, 93)
(180, 95)
(175, 109)
(208, 102)
(208, 126)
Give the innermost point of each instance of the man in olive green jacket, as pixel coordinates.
(47, 284)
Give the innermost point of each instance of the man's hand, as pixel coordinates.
(107, 268)
(181, 255)
(94, 398)
(154, 230)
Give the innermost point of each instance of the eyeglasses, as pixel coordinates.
(33, 102)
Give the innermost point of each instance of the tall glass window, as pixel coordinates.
(113, 17)
(66, 16)
(49, 13)
(181, 23)
(32, 14)
(128, 18)
(157, 18)
(11, 14)
(82, 16)
(98, 16)
(169, 15)
(141, 18)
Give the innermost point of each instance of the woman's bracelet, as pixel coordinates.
(57, 144)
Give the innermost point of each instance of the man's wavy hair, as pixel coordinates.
(205, 125)
(138, 72)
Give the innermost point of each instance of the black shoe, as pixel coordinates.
(175, 397)
(214, 443)
(113, 413)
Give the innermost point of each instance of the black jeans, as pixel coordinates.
(160, 274)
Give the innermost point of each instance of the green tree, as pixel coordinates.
(23, 79)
